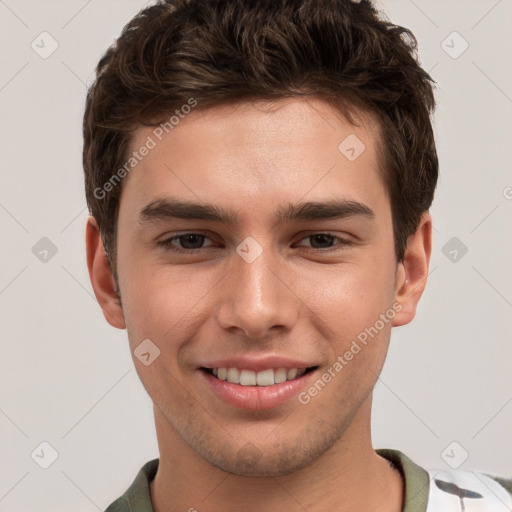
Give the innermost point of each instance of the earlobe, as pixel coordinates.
(412, 272)
(101, 276)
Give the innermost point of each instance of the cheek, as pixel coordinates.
(350, 297)
(159, 307)
(358, 311)
(164, 303)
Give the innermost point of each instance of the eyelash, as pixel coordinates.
(167, 243)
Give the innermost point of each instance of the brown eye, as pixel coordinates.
(186, 242)
(191, 241)
(322, 239)
(325, 242)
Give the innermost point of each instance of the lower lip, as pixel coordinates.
(256, 398)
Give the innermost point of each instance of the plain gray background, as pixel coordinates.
(67, 377)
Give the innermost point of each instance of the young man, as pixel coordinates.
(259, 176)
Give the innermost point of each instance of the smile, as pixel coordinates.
(257, 390)
(267, 377)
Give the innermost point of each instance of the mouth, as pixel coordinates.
(253, 390)
(263, 378)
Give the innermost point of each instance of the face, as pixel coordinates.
(258, 259)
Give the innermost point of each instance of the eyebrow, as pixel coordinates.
(169, 208)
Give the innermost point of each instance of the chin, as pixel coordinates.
(268, 459)
(277, 464)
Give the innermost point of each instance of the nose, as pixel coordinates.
(256, 297)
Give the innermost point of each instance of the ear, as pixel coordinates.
(412, 271)
(101, 276)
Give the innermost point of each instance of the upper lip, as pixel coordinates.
(257, 364)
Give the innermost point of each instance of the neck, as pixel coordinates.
(347, 477)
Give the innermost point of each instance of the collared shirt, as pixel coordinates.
(423, 489)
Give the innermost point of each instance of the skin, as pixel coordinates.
(294, 300)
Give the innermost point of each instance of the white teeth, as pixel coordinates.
(264, 378)
(291, 374)
(247, 378)
(233, 375)
(280, 375)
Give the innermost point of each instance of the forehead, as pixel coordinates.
(254, 154)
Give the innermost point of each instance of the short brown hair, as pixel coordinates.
(229, 50)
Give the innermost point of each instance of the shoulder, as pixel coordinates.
(137, 498)
(468, 490)
(120, 505)
(444, 490)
